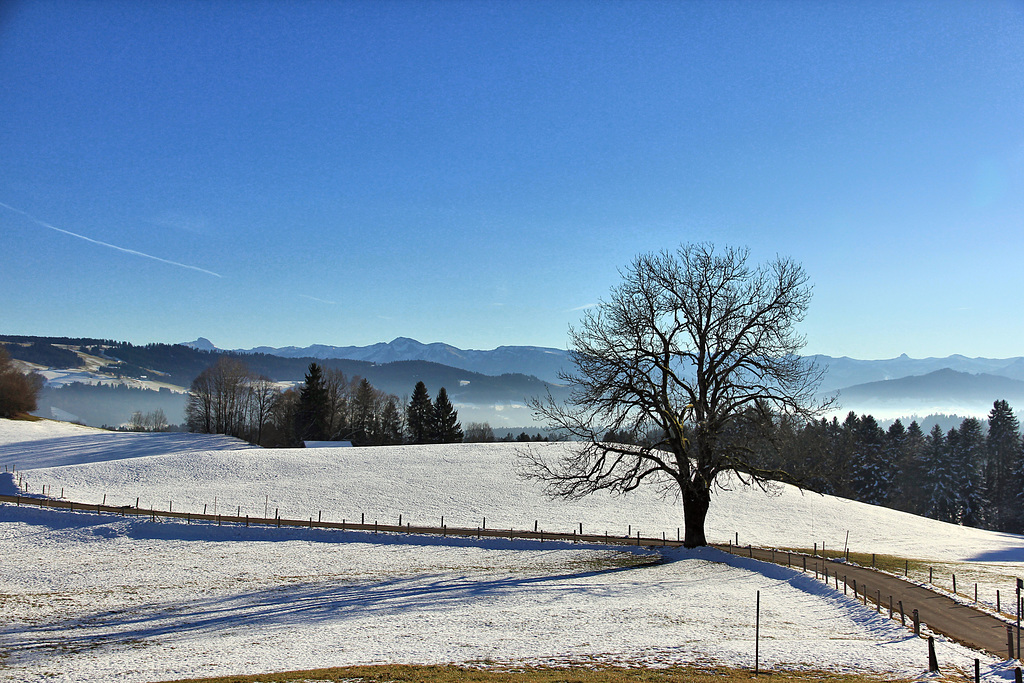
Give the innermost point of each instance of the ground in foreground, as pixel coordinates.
(392, 673)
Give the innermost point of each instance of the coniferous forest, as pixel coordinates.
(972, 474)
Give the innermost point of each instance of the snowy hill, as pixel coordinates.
(206, 600)
(464, 482)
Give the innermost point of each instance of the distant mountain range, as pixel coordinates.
(485, 385)
(543, 363)
(847, 372)
(843, 373)
(895, 387)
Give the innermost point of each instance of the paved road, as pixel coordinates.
(942, 614)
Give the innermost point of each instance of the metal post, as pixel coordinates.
(757, 634)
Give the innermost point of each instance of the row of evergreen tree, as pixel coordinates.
(228, 398)
(971, 475)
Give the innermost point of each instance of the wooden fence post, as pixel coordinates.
(917, 623)
(903, 616)
(933, 662)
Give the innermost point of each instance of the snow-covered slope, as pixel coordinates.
(90, 598)
(465, 483)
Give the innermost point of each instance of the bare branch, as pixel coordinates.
(695, 345)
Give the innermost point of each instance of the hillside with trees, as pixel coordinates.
(972, 474)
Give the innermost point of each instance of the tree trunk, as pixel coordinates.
(696, 502)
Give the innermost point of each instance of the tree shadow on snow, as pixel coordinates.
(303, 604)
(103, 446)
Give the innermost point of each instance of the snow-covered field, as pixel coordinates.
(85, 597)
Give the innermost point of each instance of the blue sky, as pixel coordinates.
(289, 173)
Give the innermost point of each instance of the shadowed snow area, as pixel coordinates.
(89, 597)
(51, 444)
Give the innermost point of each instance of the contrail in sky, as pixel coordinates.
(322, 301)
(107, 244)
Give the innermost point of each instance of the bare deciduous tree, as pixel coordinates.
(218, 401)
(696, 347)
(19, 392)
(263, 394)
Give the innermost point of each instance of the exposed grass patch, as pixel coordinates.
(400, 673)
(887, 563)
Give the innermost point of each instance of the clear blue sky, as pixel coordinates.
(289, 173)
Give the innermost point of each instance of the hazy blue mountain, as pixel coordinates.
(493, 385)
(941, 391)
(545, 363)
(541, 362)
(848, 372)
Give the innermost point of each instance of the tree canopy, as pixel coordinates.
(690, 353)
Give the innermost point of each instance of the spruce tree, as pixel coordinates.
(312, 413)
(870, 475)
(967, 451)
(939, 485)
(364, 415)
(911, 472)
(1002, 466)
(390, 423)
(894, 455)
(446, 425)
(420, 415)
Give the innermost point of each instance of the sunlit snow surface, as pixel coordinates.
(96, 598)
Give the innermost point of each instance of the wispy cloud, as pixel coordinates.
(125, 250)
(318, 300)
